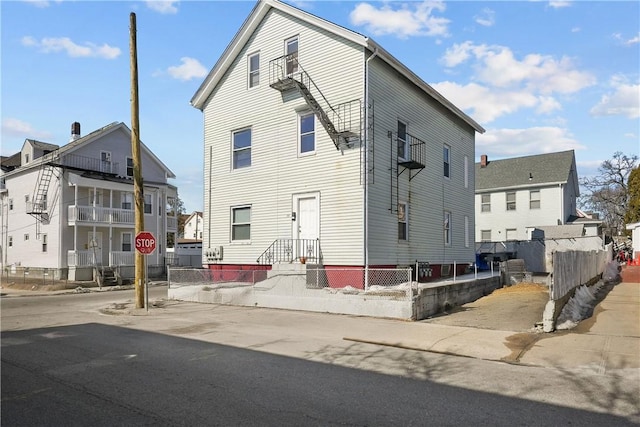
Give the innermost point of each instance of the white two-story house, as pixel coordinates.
(518, 195)
(321, 147)
(70, 209)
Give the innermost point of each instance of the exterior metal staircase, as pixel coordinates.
(344, 124)
(38, 207)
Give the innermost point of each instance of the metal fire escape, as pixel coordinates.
(407, 153)
(41, 202)
(342, 122)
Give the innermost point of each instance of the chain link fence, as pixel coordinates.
(35, 275)
(374, 282)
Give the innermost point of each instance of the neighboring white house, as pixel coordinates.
(71, 208)
(635, 239)
(516, 196)
(322, 147)
(193, 226)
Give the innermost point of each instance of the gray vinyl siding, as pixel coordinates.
(428, 194)
(277, 172)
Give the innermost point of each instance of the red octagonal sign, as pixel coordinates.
(145, 242)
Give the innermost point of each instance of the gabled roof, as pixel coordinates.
(90, 137)
(254, 19)
(41, 145)
(528, 171)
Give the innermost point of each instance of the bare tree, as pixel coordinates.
(608, 192)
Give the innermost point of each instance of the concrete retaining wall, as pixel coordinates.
(290, 292)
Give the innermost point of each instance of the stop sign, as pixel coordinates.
(145, 242)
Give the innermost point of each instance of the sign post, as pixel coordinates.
(145, 243)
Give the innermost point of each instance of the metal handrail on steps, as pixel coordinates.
(291, 250)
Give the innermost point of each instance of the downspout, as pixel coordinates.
(366, 162)
(561, 203)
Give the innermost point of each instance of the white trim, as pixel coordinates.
(315, 133)
(249, 71)
(231, 223)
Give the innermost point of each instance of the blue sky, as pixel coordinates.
(539, 76)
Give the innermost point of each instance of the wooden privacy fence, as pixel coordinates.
(574, 268)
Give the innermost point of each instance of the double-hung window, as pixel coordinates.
(403, 149)
(129, 167)
(485, 203)
(447, 228)
(511, 201)
(485, 235)
(446, 159)
(403, 222)
(534, 199)
(253, 62)
(44, 243)
(241, 223)
(126, 242)
(126, 201)
(242, 148)
(147, 204)
(307, 133)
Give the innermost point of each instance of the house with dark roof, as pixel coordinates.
(321, 147)
(516, 196)
(70, 209)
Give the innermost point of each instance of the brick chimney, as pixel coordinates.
(75, 131)
(484, 160)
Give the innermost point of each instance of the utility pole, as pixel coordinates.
(138, 186)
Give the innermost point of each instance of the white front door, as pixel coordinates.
(307, 224)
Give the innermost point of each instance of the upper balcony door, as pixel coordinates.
(291, 50)
(95, 197)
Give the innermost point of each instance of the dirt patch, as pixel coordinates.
(516, 308)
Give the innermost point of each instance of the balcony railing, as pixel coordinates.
(75, 161)
(86, 258)
(121, 258)
(91, 214)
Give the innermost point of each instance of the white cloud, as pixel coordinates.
(164, 7)
(501, 143)
(190, 69)
(14, 128)
(407, 21)
(627, 42)
(576, 29)
(487, 18)
(557, 4)
(623, 101)
(504, 84)
(41, 3)
(65, 44)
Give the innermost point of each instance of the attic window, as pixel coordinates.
(26, 159)
(254, 69)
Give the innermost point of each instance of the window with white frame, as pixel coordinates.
(403, 222)
(403, 149)
(242, 148)
(126, 201)
(44, 243)
(127, 239)
(446, 159)
(512, 234)
(147, 204)
(485, 202)
(511, 201)
(130, 167)
(26, 236)
(26, 158)
(10, 204)
(44, 202)
(26, 198)
(10, 243)
(253, 62)
(105, 160)
(534, 199)
(307, 133)
(240, 223)
(485, 235)
(291, 50)
(447, 228)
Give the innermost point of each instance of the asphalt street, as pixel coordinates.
(85, 360)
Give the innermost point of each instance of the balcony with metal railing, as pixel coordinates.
(74, 161)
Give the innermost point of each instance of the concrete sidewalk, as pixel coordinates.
(608, 341)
